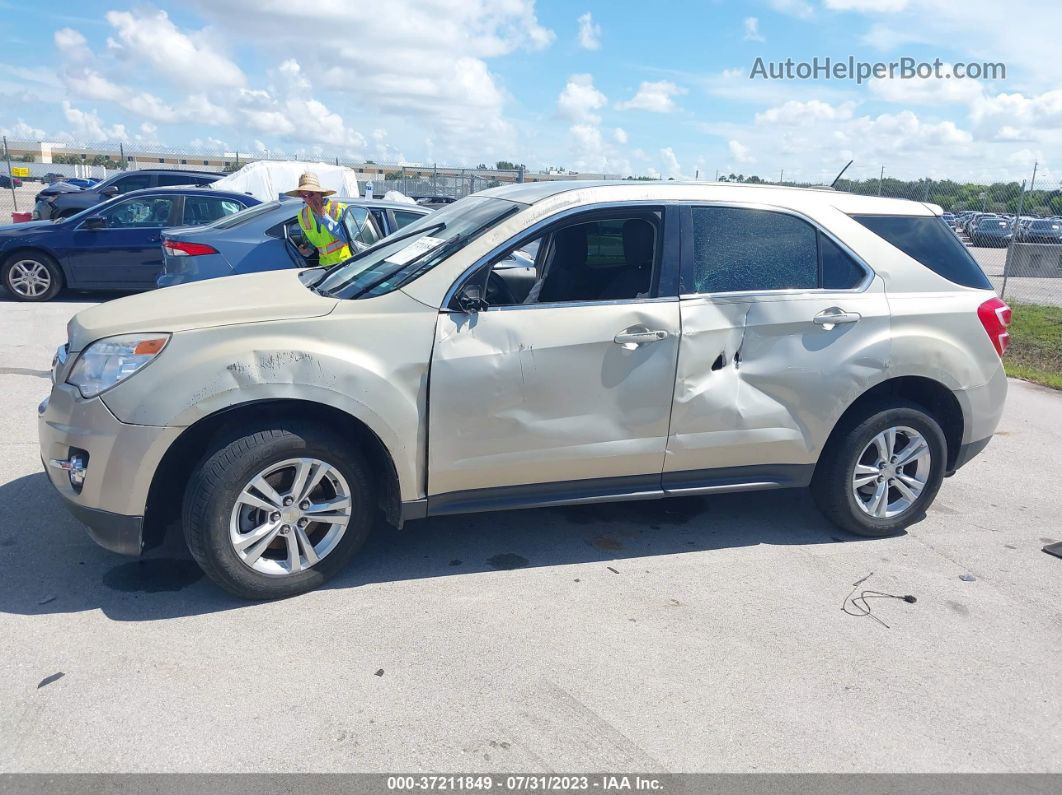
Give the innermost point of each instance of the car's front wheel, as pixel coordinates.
(276, 510)
(877, 476)
(31, 276)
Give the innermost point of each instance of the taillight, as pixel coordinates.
(177, 248)
(995, 317)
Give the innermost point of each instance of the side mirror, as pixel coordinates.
(471, 300)
(110, 190)
(95, 222)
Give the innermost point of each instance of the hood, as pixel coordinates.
(250, 298)
(59, 187)
(9, 230)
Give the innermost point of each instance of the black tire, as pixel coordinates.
(16, 264)
(229, 465)
(832, 484)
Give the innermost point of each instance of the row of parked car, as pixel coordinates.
(152, 228)
(999, 231)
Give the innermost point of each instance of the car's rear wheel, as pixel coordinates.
(879, 474)
(276, 510)
(32, 276)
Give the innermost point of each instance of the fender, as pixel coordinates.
(349, 360)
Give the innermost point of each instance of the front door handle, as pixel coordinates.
(834, 316)
(632, 338)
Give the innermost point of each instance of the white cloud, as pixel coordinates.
(740, 152)
(653, 96)
(21, 131)
(579, 100)
(151, 37)
(88, 126)
(589, 32)
(867, 6)
(671, 163)
(420, 62)
(794, 8)
(795, 112)
(931, 91)
(752, 29)
(72, 45)
(619, 135)
(885, 38)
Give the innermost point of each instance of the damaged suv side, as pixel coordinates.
(541, 344)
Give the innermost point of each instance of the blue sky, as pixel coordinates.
(620, 87)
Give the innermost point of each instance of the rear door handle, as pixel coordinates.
(631, 339)
(834, 316)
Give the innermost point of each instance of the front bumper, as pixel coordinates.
(122, 461)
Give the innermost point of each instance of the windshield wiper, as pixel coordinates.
(386, 241)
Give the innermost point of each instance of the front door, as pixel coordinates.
(570, 383)
(127, 251)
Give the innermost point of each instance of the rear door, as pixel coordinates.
(127, 252)
(782, 329)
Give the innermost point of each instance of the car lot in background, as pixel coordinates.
(992, 232)
(267, 238)
(1042, 231)
(64, 199)
(113, 246)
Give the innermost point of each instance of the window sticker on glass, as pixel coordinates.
(414, 249)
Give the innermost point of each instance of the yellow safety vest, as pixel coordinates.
(330, 250)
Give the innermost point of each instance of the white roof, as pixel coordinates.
(630, 190)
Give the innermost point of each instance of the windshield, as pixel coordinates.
(416, 249)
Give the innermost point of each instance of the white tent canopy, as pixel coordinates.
(267, 179)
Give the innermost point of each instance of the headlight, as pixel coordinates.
(109, 361)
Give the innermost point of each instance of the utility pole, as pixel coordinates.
(880, 179)
(717, 175)
(781, 174)
(10, 178)
(1032, 184)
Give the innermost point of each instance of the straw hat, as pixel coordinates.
(309, 182)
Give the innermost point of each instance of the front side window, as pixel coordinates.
(604, 259)
(738, 250)
(143, 211)
(359, 228)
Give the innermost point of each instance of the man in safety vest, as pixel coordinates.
(321, 221)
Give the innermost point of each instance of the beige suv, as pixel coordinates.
(540, 344)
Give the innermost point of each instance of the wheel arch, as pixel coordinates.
(166, 491)
(936, 398)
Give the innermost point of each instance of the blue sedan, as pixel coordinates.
(116, 245)
(268, 237)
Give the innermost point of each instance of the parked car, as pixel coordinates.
(62, 200)
(113, 246)
(267, 237)
(992, 233)
(82, 182)
(1042, 231)
(678, 339)
(8, 182)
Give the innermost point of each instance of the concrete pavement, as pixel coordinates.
(682, 635)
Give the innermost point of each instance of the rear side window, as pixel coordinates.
(743, 250)
(737, 250)
(928, 240)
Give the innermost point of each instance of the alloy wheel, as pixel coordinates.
(891, 472)
(29, 278)
(290, 516)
